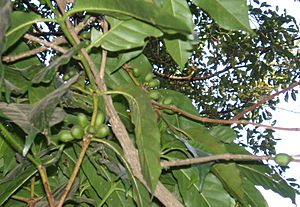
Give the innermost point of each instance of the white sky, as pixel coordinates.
(288, 115)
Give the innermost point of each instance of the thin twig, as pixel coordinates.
(190, 77)
(85, 145)
(219, 121)
(57, 41)
(199, 160)
(43, 174)
(45, 43)
(13, 58)
(104, 53)
(264, 100)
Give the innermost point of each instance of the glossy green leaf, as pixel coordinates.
(178, 46)
(231, 15)
(254, 196)
(263, 176)
(125, 35)
(127, 56)
(215, 193)
(20, 23)
(5, 10)
(10, 186)
(224, 172)
(147, 11)
(189, 190)
(148, 141)
(223, 133)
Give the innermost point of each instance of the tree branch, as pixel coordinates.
(218, 121)
(45, 43)
(85, 145)
(227, 157)
(264, 100)
(57, 41)
(190, 77)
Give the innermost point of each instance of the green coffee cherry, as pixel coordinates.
(91, 129)
(154, 83)
(167, 101)
(66, 77)
(100, 118)
(85, 35)
(136, 72)
(148, 77)
(283, 159)
(82, 120)
(65, 136)
(102, 130)
(155, 95)
(77, 132)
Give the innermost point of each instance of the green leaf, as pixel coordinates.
(231, 15)
(107, 181)
(224, 172)
(35, 94)
(189, 190)
(178, 46)
(125, 35)
(146, 11)
(263, 176)
(127, 56)
(10, 186)
(5, 10)
(215, 193)
(148, 141)
(47, 74)
(20, 23)
(254, 196)
(223, 133)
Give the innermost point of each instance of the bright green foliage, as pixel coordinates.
(49, 102)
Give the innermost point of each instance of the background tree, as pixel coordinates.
(84, 122)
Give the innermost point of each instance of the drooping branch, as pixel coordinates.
(264, 100)
(218, 121)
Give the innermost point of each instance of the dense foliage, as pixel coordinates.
(85, 122)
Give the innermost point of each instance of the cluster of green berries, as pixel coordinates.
(82, 127)
(152, 84)
(69, 74)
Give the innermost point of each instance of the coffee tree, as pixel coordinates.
(84, 122)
